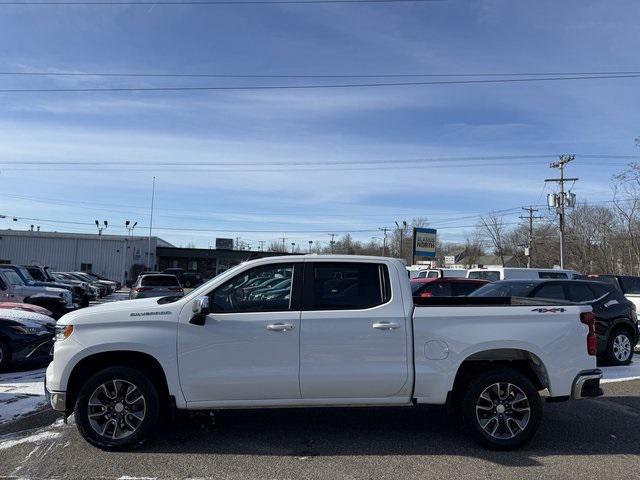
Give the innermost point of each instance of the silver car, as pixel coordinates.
(156, 285)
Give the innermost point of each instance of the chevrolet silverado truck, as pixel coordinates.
(310, 331)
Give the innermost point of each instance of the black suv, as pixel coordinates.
(616, 320)
(186, 279)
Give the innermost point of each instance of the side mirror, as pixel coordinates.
(200, 310)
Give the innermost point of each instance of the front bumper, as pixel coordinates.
(57, 400)
(587, 384)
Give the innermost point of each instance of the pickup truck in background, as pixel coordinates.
(314, 331)
(13, 289)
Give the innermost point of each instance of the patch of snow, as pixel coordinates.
(21, 393)
(621, 374)
(34, 438)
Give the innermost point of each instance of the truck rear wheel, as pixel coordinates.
(118, 408)
(502, 409)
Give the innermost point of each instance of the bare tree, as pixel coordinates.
(494, 228)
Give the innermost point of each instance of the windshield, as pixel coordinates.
(13, 278)
(507, 289)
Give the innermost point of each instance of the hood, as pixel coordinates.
(28, 319)
(125, 311)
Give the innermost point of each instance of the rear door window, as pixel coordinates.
(580, 293)
(346, 286)
(552, 275)
(552, 291)
(160, 281)
(491, 275)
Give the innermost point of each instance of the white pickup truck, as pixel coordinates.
(319, 331)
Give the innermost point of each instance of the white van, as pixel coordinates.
(508, 273)
(441, 272)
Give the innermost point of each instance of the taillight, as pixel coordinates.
(589, 319)
(141, 289)
(176, 289)
(426, 294)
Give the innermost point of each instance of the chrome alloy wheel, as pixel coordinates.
(622, 347)
(116, 409)
(503, 410)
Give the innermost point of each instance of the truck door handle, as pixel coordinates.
(279, 327)
(386, 325)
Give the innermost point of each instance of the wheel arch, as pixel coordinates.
(93, 363)
(523, 361)
(623, 323)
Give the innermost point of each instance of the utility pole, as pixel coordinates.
(562, 199)
(332, 242)
(153, 196)
(284, 249)
(530, 218)
(401, 230)
(384, 241)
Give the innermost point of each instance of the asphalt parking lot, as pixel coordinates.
(591, 438)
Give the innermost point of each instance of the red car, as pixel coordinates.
(27, 307)
(445, 287)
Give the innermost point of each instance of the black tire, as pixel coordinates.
(187, 284)
(144, 430)
(508, 434)
(615, 355)
(5, 357)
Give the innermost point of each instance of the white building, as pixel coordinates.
(118, 257)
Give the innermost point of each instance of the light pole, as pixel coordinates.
(310, 244)
(129, 227)
(293, 246)
(101, 227)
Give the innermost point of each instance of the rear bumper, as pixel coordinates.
(587, 384)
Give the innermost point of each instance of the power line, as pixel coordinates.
(310, 87)
(205, 2)
(307, 76)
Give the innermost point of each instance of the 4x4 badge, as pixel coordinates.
(548, 310)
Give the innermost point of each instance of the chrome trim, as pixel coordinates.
(581, 379)
(50, 340)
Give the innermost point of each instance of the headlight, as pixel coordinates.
(63, 332)
(29, 330)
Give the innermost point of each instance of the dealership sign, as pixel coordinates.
(424, 242)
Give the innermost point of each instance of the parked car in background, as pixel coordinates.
(103, 290)
(509, 273)
(25, 337)
(99, 278)
(109, 284)
(186, 279)
(616, 319)
(156, 285)
(629, 285)
(42, 277)
(91, 292)
(441, 273)
(26, 307)
(27, 279)
(444, 287)
(57, 300)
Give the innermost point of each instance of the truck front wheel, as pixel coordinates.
(118, 408)
(502, 409)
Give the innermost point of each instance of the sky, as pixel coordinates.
(329, 128)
